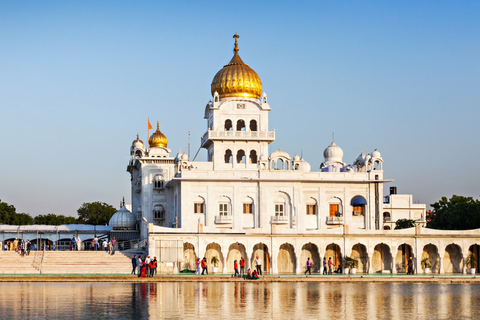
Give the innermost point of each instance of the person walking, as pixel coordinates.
(155, 265)
(330, 264)
(147, 262)
(235, 267)
(151, 266)
(309, 265)
(114, 245)
(95, 240)
(197, 266)
(242, 267)
(204, 265)
(134, 264)
(258, 265)
(139, 264)
(410, 266)
(324, 265)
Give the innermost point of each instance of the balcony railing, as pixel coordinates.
(221, 219)
(334, 220)
(387, 219)
(231, 135)
(279, 220)
(357, 213)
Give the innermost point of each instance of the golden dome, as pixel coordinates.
(237, 79)
(134, 143)
(158, 139)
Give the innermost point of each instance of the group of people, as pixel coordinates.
(145, 267)
(238, 272)
(21, 246)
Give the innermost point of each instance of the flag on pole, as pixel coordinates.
(149, 125)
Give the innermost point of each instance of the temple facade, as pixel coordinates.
(246, 202)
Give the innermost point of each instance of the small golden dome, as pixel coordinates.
(237, 79)
(158, 139)
(134, 143)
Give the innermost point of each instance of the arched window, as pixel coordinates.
(253, 156)
(280, 207)
(198, 205)
(386, 228)
(358, 205)
(240, 125)
(386, 217)
(335, 207)
(228, 125)
(241, 156)
(159, 212)
(247, 205)
(253, 125)
(311, 206)
(279, 164)
(228, 156)
(224, 206)
(158, 182)
(138, 154)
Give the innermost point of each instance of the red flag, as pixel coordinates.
(149, 125)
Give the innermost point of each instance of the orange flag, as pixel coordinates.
(149, 125)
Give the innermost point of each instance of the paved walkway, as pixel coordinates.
(443, 279)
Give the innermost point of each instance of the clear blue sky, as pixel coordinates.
(78, 80)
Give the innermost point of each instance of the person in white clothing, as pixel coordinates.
(258, 265)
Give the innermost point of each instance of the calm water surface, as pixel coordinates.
(238, 300)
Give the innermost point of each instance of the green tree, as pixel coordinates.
(8, 215)
(23, 219)
(404, 223)
(96, 213)
(53, 219)
(456, 213)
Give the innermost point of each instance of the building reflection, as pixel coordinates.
(247, 299)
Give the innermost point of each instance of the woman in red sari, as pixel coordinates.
(143, 269)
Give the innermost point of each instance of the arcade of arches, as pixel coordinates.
(289, 258)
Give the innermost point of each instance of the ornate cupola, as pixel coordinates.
(158, 139)
(237, 79)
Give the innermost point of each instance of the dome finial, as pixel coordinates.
(236, 36)
(138, 136)
(158, 125)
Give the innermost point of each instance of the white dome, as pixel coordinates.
(296, 158)
(138, 145)
(333, 153)
(123, 220)
(376, 154)
(185, 157)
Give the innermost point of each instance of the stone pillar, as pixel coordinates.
(464, 267)
(298, 264)
(370, 268)
(273, 259)
(394, 255)
(225, 255)
(441, 269)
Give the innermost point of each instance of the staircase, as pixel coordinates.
(65, 262)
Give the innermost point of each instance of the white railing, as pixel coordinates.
(334, 220)
(357, 213)
(223, 219)
(279, 219)
(267, 135)
(387, 219)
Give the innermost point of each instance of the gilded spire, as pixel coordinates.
(237, 79)
(236, 36)
(158, 139)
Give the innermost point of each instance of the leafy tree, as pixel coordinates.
(96, 213)
(8, 215)
(456, 213)
(23, 219)
(404, 223)
(53, 219)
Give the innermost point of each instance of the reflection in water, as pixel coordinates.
(239, 300)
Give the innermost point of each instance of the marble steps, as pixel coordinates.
(66, 262)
